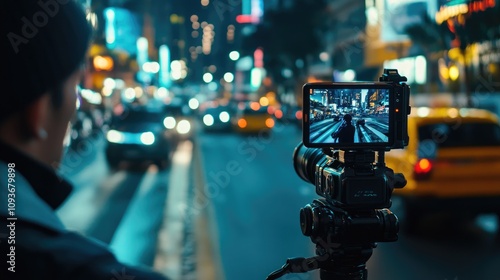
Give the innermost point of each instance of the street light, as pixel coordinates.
(208, 77)
(234, 55)
(152, 67)
(229, 77)
(454, 72)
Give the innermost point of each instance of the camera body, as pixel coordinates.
(364, 186)
(351, 173)
(357, 115)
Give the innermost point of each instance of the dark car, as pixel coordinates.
(82, 127)
(139, 134)
(179, 118)
(360, 121)
(217, 118)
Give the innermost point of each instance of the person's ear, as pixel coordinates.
(36, 117)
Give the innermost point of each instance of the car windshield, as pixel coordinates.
(215, 110)
(250, 111)
(173, 110)
(133, 116)
(461, 135)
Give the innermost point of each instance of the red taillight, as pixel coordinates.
(278, 114)
(270, 123)
(298, 115)
(423, 168)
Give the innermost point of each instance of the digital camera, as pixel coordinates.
(353, 124)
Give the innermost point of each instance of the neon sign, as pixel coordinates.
(447, 12)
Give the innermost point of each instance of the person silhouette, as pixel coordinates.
(345, 132)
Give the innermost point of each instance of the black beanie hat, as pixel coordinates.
(43, 43)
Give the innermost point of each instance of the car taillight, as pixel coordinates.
(298, 115)
(242, 123)
(270, 123)
(278, 114)
(422, 169)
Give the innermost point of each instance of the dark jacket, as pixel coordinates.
(34, 242)
(345, 133)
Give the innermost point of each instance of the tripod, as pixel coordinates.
(345, 263)
(344, 241)
(349, 219)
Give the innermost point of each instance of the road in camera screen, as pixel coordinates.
(367, 130)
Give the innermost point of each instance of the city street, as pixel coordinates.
(182, 127)
(228, 208)
(371, 130)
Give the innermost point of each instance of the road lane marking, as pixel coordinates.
(208, 257)
(130, 244)
(170, 238)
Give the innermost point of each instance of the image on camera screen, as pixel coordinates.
(348, 116)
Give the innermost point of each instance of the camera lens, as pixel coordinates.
(305, 160)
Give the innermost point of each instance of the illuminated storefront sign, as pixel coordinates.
(122, 29)
(252, 11)
(461, 8)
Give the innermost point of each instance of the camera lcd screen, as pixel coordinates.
(347, 115)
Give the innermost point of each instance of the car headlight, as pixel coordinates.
(194, 103)
(169, 122)
(224, 116)
(184, 127)
(115, 136)
(147, 138)
(208, 120)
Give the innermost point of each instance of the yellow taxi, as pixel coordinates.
(251, 117)
(452, 162)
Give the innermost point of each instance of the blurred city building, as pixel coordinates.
(441, 46)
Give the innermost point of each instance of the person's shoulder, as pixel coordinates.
(47, 254)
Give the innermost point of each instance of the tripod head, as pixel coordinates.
(352, 215)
